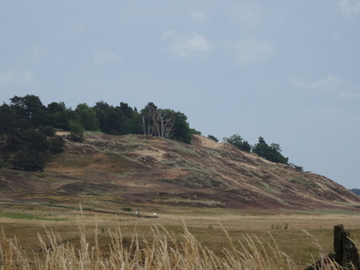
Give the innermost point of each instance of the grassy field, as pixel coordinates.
(276, 240)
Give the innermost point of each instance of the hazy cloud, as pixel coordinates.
(16, 77)
(102, 57)
(350, 8)
(335, 35)
(186, 46)
(330, 83)
(249, 15)
(251, 50)
(199, 16)
(38, 52)
(349, 95)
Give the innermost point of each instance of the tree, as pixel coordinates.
(9, 127)
(32, 147)
(238, 142)
(86, 116)
(76, 131)
(57, 144)
(165, 123)
(120, 120)
(27, 162)
(108, 118)
(148, 115)
(181, 130)
(271, 153)
(31, 109)
(58, 115)
(193, 131)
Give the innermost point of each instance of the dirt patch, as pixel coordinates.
(62, 133)
(157, 154)
(175, 173)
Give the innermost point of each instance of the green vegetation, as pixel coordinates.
(270, 152)
(211, 137)
(27, 127)
(238, 142)
(356, 191)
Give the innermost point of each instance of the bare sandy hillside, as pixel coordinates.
(136, 169)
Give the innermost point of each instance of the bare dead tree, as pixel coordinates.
(158, 122)
(164, 123)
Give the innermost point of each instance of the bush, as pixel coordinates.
(76, 131)
(47, 130)
(57, 144)
(213, 138)
(238, 142)
(27, 162)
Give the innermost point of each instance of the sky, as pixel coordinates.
(284, 70)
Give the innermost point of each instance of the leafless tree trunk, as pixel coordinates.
(158, 122)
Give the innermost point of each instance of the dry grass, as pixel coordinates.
(157, 248)
(96, 241)
(164, 251)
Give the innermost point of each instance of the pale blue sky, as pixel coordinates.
(284, 70)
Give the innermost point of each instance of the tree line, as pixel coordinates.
(27, 127)
(270, 152)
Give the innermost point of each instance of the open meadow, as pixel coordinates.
(206, 238)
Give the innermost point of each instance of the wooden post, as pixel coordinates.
(346, 252)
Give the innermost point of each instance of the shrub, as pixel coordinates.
(213, 138)
(57, 144)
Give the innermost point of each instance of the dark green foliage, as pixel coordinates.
(213, 138)
(355, 190)
(127, 209)
(31, 148)
(86, 117)
(299, 168)
(57, 144)
(121, 120)
(181, 129)
(47, 130)
(194, 131)
(9, 127)
(238, 142)
(34, 142)
(30, 108)
(76, 131)
(27, 162)
(59, 116)
(148, 119)
(165, 123)
(26, 125)
(271, 153)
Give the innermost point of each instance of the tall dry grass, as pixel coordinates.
(163, 251)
